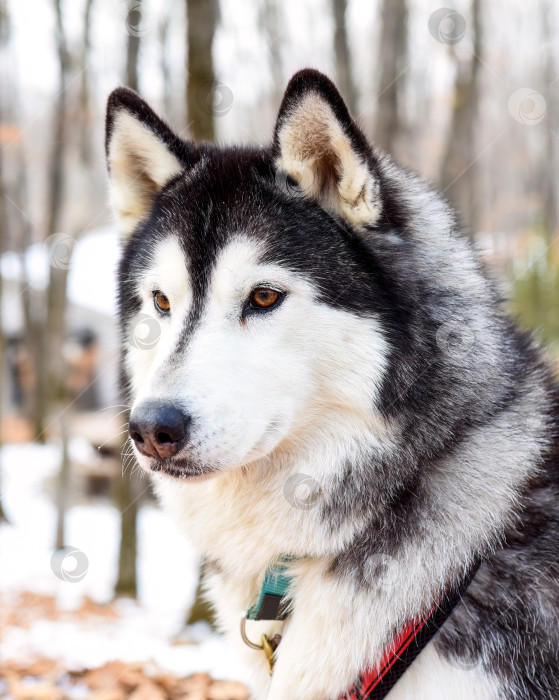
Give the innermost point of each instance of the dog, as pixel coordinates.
(326, 381)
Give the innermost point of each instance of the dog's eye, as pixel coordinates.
(161, 302)
(264, 298)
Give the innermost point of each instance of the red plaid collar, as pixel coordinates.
(375, 684)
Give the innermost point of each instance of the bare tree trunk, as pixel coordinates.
(127, 496)
(56, 170)
(85, 136)
(552, 115)
(459, 173)
(392, 59)
(3, 237)
(3, 517)
(271, 22)
(48, 355)
(342, 55)
(163, 35)
(52, 381)
(202, 18)
(32, 327)
(4, 33)
(128, 488)
(63, 485)
(201, 609)
(133, 46)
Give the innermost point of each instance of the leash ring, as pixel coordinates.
(246, 640)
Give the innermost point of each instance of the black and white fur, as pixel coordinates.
(389, 377)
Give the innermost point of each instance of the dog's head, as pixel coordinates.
(254, 316)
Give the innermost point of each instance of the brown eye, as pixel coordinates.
(264, 297)
(161, 302)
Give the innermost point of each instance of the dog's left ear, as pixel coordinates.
(318, 144)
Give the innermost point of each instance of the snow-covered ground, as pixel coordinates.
(134, 631)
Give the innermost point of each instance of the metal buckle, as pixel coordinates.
(268, 646)
(244, 637)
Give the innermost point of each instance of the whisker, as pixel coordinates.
(122, 432)
(108, 408)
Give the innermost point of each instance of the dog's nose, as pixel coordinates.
(158, 429)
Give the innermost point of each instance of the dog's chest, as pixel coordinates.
(432, 677)
(221, 524)
(243, 529)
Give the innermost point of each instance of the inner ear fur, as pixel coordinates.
(319, 145)
(142, 156)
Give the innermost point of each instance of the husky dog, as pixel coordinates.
(312, 319)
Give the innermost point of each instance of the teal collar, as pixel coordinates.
(272, 603)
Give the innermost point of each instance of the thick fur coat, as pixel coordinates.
(383, 421)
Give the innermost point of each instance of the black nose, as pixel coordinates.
(158, 429)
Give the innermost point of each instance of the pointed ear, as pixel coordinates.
(143, 155)
(318, 144)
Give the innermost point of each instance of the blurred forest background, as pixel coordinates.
(466, 94)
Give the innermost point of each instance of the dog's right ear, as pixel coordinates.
(143, 155)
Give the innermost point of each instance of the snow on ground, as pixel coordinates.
(134, 631)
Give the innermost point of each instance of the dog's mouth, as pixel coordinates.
(182, 468)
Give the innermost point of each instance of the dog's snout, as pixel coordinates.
(158, 429)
